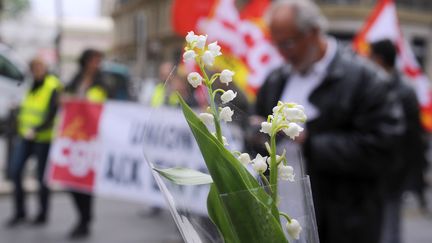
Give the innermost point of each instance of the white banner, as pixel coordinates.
(126, 134)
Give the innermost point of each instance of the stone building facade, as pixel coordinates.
(143, 36)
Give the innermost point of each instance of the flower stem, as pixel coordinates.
(218, 90)
(212, 104)
(273, 167)
(266, 182)
(288, 218)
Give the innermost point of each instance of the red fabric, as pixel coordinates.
(79, 126)
(254, 10)
(185, 14)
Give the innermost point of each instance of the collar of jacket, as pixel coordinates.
(335, 71)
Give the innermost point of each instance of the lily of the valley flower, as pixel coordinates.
(189, 55)
(294, 229)
(226, 76)
(201, 41)
(207, 118)
(278, 158)
(226, 114)
(194, 79)
(293, 130)
(208, 58)
(244, 158)
(191, 37)
(294, 114)
(286, 172)
(266, 127)
(259, 163)
(214, 48)
(228, 96)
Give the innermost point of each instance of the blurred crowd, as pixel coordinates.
(364, 144)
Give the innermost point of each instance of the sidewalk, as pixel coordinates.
(115, 222)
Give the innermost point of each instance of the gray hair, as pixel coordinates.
(307, 14)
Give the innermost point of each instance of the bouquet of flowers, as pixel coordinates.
(253, 215)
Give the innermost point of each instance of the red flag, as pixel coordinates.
(74, 152)
(241, 34)
(383, 23)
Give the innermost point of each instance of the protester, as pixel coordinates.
(412, 149)
(86, 84)
(172, 80)
(160, 95)
(35, 125)
(353, 120)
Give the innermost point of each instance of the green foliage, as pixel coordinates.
(12, 8)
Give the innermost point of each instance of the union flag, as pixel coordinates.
(383, 23)
(239, 30)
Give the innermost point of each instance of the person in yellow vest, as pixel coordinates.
(35, 129)
(87, 84)
(171, 81)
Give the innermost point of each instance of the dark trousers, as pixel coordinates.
(83, 203)
(22, 151)
(391, 232)
(347, 211)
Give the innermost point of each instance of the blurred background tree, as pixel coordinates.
(12, 8)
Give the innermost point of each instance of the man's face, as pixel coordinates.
(38, 70)
(296, 47)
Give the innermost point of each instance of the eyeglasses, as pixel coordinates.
(288, 43)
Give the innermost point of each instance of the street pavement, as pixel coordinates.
(115, 222)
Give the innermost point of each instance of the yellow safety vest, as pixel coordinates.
(34, 109)
(159, 96)
(96, 94)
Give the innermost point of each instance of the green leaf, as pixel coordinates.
(184, 176)
(219, 217)
(251, 212)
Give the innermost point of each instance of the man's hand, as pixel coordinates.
(301, 138)
(30, 135)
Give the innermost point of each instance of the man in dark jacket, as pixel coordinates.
(412, 149)
(353, 119)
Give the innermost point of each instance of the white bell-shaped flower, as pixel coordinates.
(228, 96)
(189, 56)
(293, 130)
(294, 229)
(226, 114)
(191, 37)
(207, 118)
(294, 114)
(201, 41)
(208, 58)
(266, 127)
(214, 48)
(226, 76)
(286, 172)
(194, 79)
(244, 158)
(259, 163)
